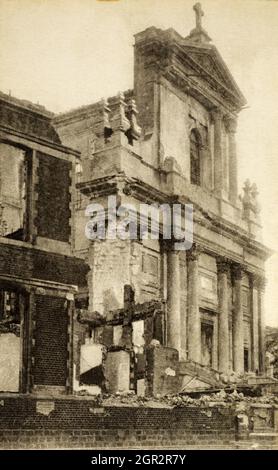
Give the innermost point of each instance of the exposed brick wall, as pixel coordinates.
(31, 263)
(60, 268)
(77, 423)
(53, 198)
(50, 350)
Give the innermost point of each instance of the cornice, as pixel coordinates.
(219, 252)
(211, 97)
(85, 112)
(184, 56)
(99, 187)
(217, 60)
(149, 195)
(5, 132)
(25, 106)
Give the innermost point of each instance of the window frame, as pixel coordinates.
(28, 159)
(196, 176)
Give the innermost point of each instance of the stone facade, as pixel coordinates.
(172, 140)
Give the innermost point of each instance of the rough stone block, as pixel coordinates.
(117, 371)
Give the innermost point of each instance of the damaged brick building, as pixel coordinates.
(39, 275)
(136, 314)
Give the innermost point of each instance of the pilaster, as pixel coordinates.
(238, 331)
(223, 269)
(173, 298)
(194, 320)
(218, 164)
(231, 127)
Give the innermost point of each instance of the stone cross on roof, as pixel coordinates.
(198, 34)
(199, 13)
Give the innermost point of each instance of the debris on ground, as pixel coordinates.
(221, 397)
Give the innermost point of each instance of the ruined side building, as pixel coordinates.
(39, 276)
(117, 315)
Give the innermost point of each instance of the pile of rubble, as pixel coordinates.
(222, 398)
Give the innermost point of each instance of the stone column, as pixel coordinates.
(223, 318)
(238, 330)
(173, 299)
(231, 126)
(194, 321)
(218, 164)
(255, 322)
(261, 290)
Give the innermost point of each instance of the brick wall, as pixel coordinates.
(31, 263)
(54, 198)
(27, 422)
(50, 350)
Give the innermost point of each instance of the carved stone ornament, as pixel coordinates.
(223, 265)
(107, 129)
(124, 123)
(249, 200)
(237, 272)
(194, 253)
(134, 132)
(230, 124)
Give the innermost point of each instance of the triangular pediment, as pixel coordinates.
(192, 63)
(210, 65)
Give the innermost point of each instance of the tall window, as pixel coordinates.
(13, 171)
(195, 157)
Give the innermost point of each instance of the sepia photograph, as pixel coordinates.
(138, 229)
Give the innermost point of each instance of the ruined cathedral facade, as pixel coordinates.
(118, 315)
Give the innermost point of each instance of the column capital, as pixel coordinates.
(223, 265)
(230, 124)
(194, 252)
(258, 281)
(237, 271)
(216, 114)
(169, 246)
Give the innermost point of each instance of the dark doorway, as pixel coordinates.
(206, 344)
(246, 360)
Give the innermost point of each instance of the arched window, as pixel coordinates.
(195, 157)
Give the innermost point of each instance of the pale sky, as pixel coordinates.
(66, 53)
